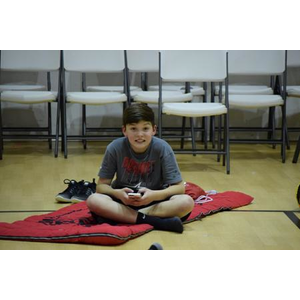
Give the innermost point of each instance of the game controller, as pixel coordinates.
(135, 194)
(136, 190)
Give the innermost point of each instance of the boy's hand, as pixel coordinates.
(147, 197)
(135, 199)
(122, 194)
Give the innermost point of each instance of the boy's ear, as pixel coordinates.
(154, 129)
(124, 130)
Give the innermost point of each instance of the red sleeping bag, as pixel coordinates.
(74, 223)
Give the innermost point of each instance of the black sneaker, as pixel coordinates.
(87, 189)
(298, 194)
(70, 191)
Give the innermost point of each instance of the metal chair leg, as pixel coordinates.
(193, 135)
(271, 125)
(182, 133)
(212, 131)
(49, 125)
(283, 134)
(219, 137)
(297, 151)
(227, 146)
(65, 132)
(64, 127)
(287, 140)
(57, 129)
(83, 125)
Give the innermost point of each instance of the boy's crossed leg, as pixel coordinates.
(162, 216)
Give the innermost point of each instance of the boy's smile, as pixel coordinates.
(139, 135)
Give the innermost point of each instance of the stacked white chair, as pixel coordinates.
(260, 63)
(196, 66)
(15, 58)
(138, 62)
(30, 94)
(195, 89)
(95, 61)
(293, 61)
(246, 88)
(111, 88)
(146, 61)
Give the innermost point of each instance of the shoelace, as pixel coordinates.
(205, 198)
(72, 185)
(87, 189)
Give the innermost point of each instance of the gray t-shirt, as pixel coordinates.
(155, 169)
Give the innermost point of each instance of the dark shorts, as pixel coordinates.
(184, 218)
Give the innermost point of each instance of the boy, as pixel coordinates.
(148, 188)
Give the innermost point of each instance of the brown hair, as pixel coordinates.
(138, 112)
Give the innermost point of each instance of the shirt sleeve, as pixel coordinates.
(109, 165)
(170, 170)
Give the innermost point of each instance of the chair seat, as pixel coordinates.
(255, 101)
(240, 89)
(28, 97)
(112, 88)
(167, 96)
(195, 90)
(194, 109)
(22, 86)
(95, 98)
(293, 90)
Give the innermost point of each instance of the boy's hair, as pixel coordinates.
(138, 112)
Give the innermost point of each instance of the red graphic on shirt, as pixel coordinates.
(137, 168)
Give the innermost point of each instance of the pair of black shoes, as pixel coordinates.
(76, 191)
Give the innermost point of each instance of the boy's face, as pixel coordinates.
(139, 135)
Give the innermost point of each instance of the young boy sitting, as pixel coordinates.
(148, 188)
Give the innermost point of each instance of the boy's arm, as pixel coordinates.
(175, 189)
(152, 196)
(104, 187)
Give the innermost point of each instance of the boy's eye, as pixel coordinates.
(134, 129)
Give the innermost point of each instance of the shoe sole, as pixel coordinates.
(74, 200)
(62, 200)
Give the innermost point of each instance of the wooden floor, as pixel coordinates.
(30, 177)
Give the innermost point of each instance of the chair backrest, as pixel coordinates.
(193, 65)
(93, 61)
(142, 60)
(30, 60)
(256, 62)
(293, 58)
